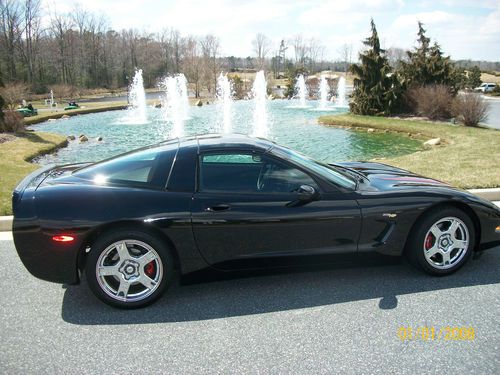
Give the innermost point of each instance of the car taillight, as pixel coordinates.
(63, 238)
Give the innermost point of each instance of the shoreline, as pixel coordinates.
(470, 150)
(73, 112)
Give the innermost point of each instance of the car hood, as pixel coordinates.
(385, 177)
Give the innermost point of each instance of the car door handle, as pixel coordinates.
(218, 207)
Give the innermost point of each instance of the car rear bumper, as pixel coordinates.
(46, 259)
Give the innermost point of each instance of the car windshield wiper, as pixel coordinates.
(358, 176)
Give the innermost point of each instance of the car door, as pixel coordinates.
(247, 206)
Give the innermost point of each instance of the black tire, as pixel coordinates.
(416, 245)
(136, 240)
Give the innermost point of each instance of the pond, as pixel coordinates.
(297, 128)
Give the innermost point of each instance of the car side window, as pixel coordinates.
(249, 173)
(147, 168)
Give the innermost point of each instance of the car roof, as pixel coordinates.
(212, 142)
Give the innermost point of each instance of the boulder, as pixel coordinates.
(98, 139)
(199, 103)
(433, 142)
(158, 105)
(51, 120)
(70, 138)
(64, 117)
(83, 138)
(371, 130)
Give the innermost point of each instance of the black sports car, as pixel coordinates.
(230, 203)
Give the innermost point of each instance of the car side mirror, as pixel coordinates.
(306, 192)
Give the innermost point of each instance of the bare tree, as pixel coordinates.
(60, 25)
(192, 63)
(316, 51)
(32, 20)
(395, 55)
(210, 49)
(80, 18)
(10, 33)
(345, 52)
(261, 46)
(300, 49)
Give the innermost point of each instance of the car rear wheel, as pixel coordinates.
(442, 242)
(129, 269)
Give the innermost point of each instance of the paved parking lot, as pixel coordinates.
(338, 320)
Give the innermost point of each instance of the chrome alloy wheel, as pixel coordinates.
(129, 270)
(446, 243)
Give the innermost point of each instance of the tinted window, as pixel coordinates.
(324, 170)
(251, 173)
(148, 168)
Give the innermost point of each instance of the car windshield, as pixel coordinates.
(324, 170)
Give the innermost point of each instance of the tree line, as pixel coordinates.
(81, 49)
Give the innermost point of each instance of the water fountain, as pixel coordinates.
(137, 100)
(259, 94)
(175, 103)
(324, 90)
(225, 102)
(301, 91)
(341, 100)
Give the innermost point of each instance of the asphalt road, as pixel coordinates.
(338, 320)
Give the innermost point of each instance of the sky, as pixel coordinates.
(464, 29)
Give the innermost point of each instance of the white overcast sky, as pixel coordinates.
(464, 29)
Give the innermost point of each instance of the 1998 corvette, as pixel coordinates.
(228, 203)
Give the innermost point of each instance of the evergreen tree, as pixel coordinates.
(376, 91)
(426, 65)
(459, 78)
(292, 73)
(474, 77)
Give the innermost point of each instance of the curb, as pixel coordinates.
(6, 223)
(489, 194)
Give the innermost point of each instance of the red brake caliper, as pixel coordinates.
(150, 269)
(428, 241)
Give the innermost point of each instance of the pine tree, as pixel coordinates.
(375, 89)
(474, 77)
(426, 65)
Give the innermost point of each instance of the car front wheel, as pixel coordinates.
(129, 269)
(443, 241)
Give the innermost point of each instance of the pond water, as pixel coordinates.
(294, 127)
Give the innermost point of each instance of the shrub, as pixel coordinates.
(12, 122)
(2, 104)
(13, 94)
(433, 101)
(470, 109)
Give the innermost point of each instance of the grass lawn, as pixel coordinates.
(44, 115)
(468, 158)
(14, 161)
